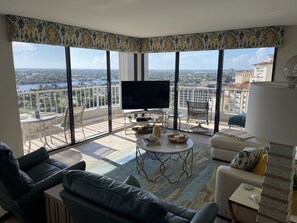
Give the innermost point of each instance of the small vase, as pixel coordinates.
(157, 131)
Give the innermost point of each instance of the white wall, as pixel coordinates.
(288, 50)
(10, 130)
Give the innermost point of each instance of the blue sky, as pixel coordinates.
(28, 55)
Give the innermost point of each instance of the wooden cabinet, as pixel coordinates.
(55, 210)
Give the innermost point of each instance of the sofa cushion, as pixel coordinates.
(248, 158)
(120, 198)
(16, 181)
(45, 169)
(261, 165)
(234, 144)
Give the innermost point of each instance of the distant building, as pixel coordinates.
(197, 94)
(235, 96)
(263, 70)
(243, 76)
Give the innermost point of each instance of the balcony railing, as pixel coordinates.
(55, 101)
(95, 98)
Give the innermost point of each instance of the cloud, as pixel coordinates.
(24, 54)
(261, 55)
(99, 61)
(19, 47)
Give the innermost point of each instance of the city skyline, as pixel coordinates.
(27, 55)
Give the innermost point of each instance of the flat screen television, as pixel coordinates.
(145, 94)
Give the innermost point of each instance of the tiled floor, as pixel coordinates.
(119, 142)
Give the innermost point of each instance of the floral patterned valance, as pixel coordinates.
(242, 38)
(24, 29)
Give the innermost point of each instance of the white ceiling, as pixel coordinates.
(148, 18)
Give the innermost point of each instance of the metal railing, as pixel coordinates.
(55, 101)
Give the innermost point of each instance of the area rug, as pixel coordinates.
(190, 192)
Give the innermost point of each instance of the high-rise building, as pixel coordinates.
(263, 70)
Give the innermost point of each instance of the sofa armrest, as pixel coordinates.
(78, 166)
(26, 162)
(206, 214)
(228, 179)
(132, 181)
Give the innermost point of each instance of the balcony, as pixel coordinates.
(95, 117)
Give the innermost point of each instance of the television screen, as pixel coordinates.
(145, 94)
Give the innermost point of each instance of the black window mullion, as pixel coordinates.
(176, 79)
(219, 90)
(70, 95)
(109, 99)
(274, 63)
(135, 66)
(142, 66)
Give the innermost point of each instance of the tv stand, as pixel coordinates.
(143, 118)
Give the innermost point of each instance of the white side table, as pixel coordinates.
(240, 199)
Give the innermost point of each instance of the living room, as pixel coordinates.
(10, 118)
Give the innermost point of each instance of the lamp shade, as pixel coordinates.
(272, 112)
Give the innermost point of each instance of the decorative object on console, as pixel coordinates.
(290, 72)
(272, 116)
(178, 138)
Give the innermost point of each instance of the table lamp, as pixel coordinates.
(272, 115)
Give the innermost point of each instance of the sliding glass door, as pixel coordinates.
(89, 92)
(41, 85)
(161, 66)
(197, 88)
(242, 67)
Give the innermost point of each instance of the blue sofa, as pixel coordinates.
(24, 180)
(93, 198)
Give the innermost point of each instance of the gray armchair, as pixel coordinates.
(23, 181)
(93, 198)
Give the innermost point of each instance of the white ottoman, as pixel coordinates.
(226, 147)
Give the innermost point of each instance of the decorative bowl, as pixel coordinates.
(178, 138)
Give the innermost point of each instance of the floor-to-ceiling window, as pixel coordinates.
(161, 66)
(41, 84)
(117, 113)
(89, 92)
(197, 85)
(241, 67)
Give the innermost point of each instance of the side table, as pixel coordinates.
(179, 117)
(241, 199)
(56, 211)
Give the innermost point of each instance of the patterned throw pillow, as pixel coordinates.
(261, 165)
(248, 158)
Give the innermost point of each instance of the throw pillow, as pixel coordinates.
(261, 165)
(248, 158)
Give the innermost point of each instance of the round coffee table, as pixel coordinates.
(162, 153)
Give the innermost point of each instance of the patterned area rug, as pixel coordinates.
(190, 192)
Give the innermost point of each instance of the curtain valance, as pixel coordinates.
(241, 38)
(24, 29)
